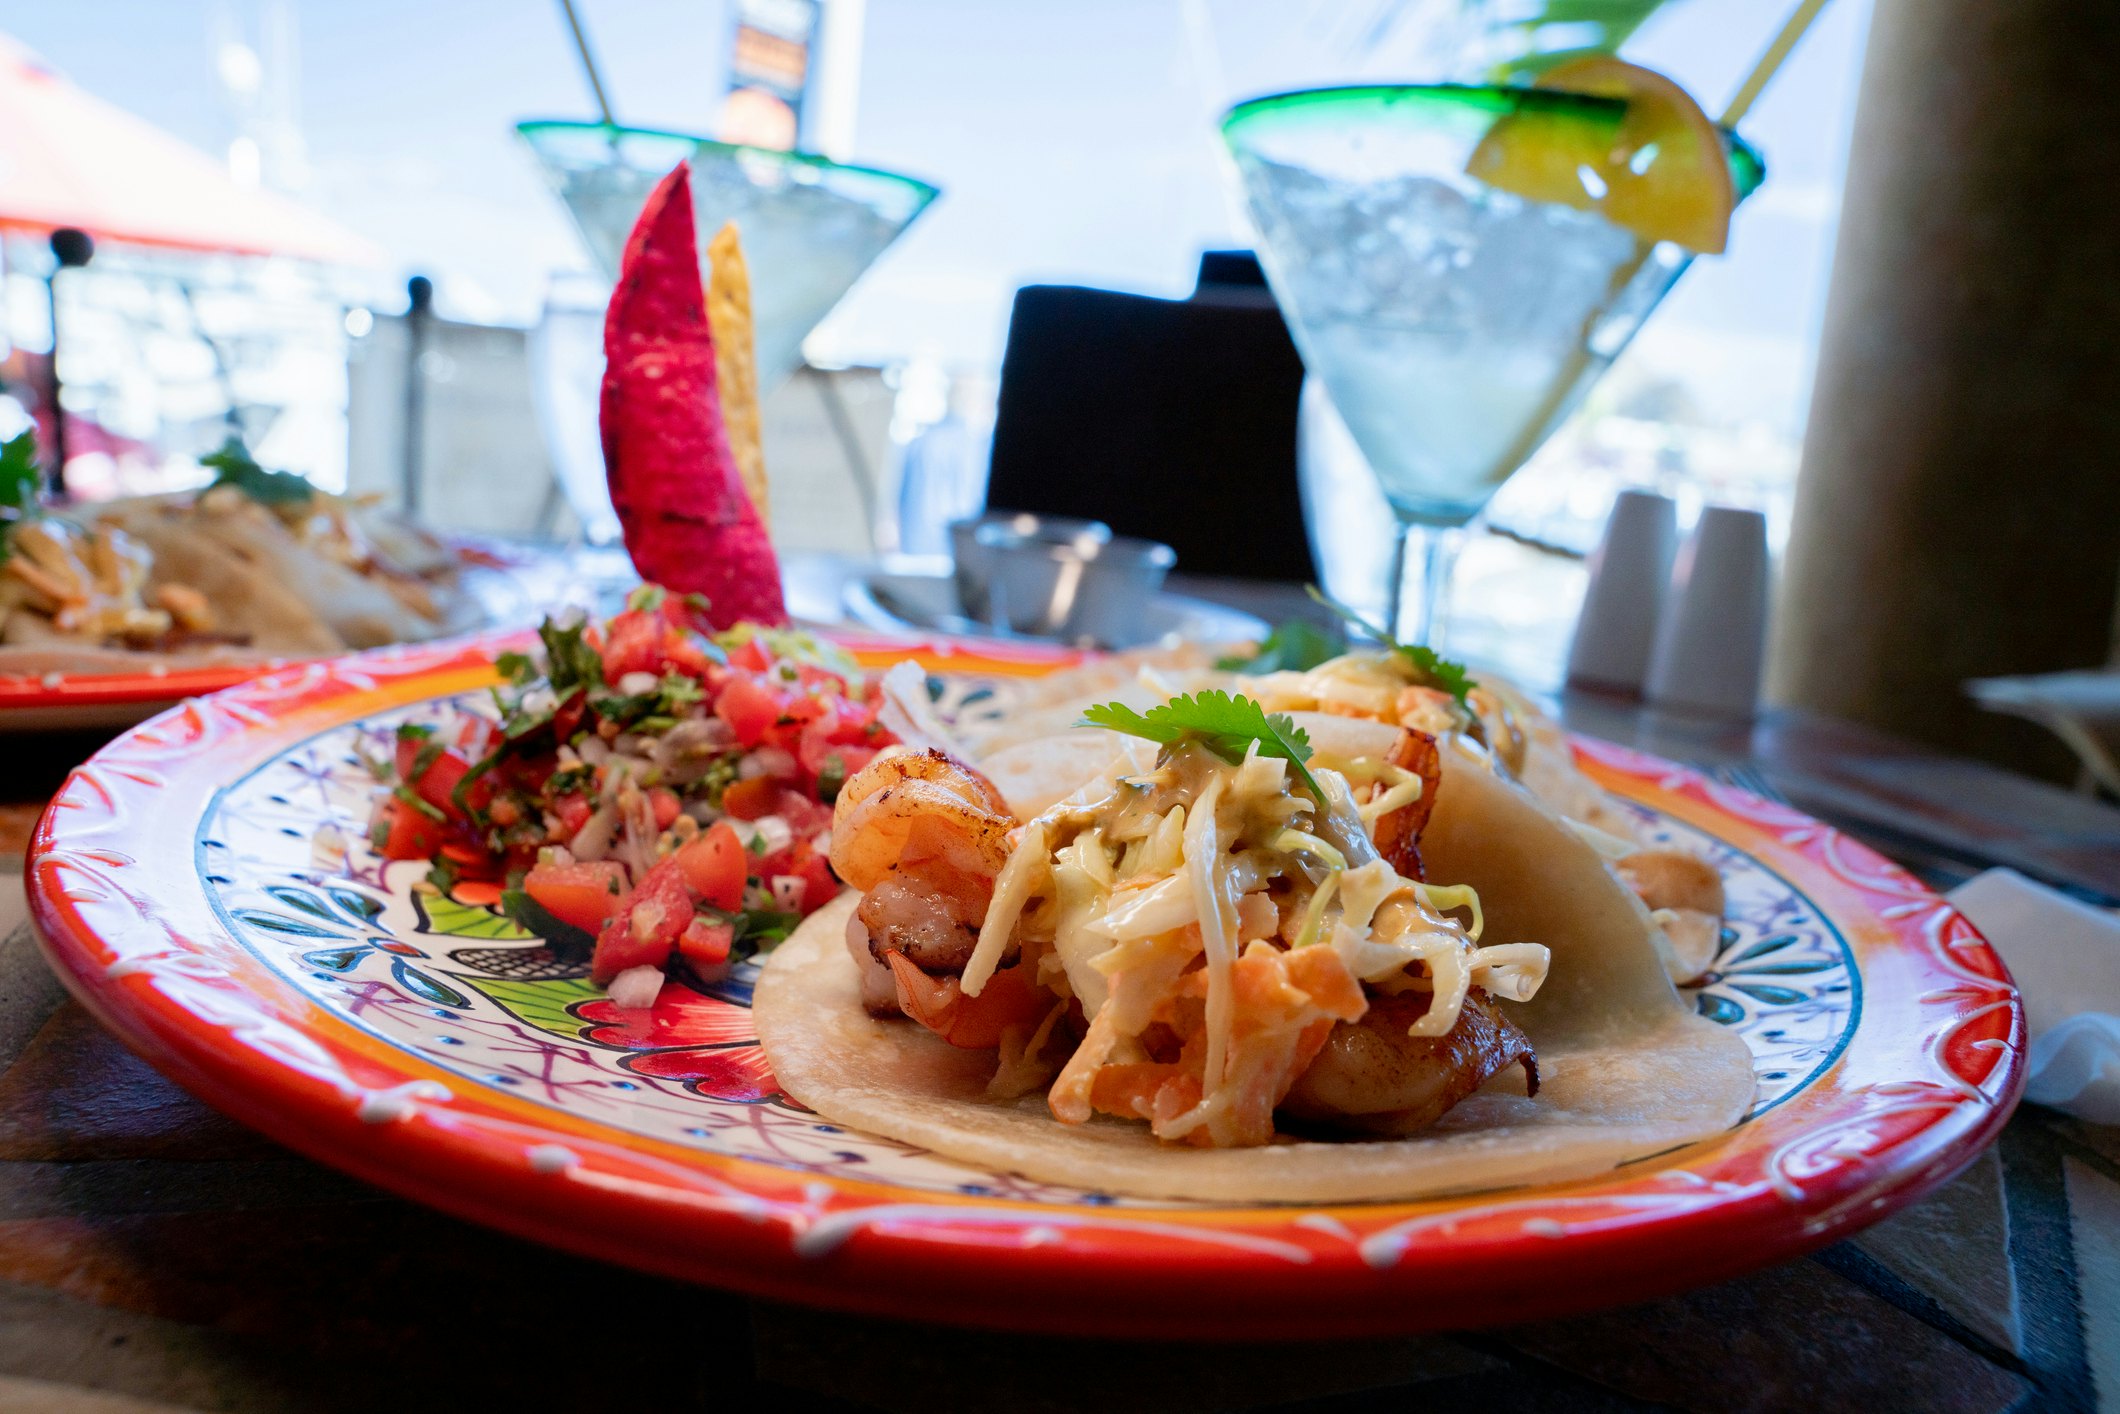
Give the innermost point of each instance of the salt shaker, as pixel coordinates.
(1713, 640)
(1630, 573)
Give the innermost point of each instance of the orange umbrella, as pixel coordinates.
(67, 158)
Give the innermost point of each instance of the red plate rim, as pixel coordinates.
(1930, 1075)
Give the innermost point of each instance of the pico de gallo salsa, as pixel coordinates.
(646, 795)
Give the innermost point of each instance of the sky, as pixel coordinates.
(1074, 142)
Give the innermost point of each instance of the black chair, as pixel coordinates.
(1170, 419)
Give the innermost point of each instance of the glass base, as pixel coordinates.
(1420, 581)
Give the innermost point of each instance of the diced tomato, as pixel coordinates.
(665, 804)
(752, 656)
(706, 943)
(806, 816)
(820, 680)
(687, 652)
(472, 859)
(572, 812)
(804, 710)
(474, 736)
(857, 723)
(824, 739)
(583, 894)
(715, 866)
(645, 929)
(853, 758)
(636, 638)
(437, 784)
(749, 707)
(567, 717)
(819, 884)
(409, 745)
(753, 799)
(407, 833)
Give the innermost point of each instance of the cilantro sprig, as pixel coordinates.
(1228, 726)
(1294, 647)
(1431, 667)
(571, 661)
(21, 477)
(233, 465)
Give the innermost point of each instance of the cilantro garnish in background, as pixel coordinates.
(1431, 667)
(233, 466)
(1227, 726)
(21, 477)
(1294, 647)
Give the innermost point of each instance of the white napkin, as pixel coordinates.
(2065, 957)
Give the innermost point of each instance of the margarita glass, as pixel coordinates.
(1455, 323)
(810, 226)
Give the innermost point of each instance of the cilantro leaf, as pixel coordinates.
(1294, 647)
(1430, 667)
(1440, 673)
(752, 930)
(571, 661)
(1228, 726)
(21, 475)
(233, 466)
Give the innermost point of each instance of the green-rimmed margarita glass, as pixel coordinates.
(1455, 325)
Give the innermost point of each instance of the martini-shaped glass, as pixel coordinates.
(810, 226)
(1454, 324)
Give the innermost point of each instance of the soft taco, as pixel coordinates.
(1027, 754)
(1297, 958)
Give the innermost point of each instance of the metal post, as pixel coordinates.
(71, 249)
(419, 314)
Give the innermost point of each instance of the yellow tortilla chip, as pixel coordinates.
(736, 359)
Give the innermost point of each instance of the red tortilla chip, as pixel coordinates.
(689, 524)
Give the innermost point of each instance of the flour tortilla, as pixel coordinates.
(1626, 1070)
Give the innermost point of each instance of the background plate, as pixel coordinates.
(178, 887)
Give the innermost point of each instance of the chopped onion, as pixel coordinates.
(638, 684)
(636, 987)
(771, 761)
(788, 890)
(773, 833)
(593, 840)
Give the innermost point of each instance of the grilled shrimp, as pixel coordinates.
(1372, 1076)
(906, 809)
(923, 836)
(1398, 834)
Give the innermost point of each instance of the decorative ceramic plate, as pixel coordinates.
(425, 1044)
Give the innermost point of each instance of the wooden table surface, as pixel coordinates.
(155, 1255)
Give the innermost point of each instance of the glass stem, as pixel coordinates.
(1426, 554)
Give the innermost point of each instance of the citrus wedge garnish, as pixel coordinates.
(1659, 171)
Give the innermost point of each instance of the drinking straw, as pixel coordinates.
(581, 47)
(1748, 92)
